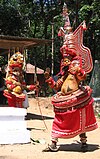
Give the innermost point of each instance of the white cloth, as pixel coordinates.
(25, 102)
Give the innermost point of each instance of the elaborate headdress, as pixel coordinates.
(73, 42)
(16, 60)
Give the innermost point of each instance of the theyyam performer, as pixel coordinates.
(73, 102)
(15, 84)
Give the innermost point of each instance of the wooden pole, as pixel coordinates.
(52, 68)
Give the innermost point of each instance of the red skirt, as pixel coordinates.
(73, 122)
(14, 101)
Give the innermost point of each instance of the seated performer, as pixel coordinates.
(73, 102)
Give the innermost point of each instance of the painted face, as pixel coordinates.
(16, 58)
(66, 61)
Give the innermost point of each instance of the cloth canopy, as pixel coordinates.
(32, 69)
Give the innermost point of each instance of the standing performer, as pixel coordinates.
(73, 102)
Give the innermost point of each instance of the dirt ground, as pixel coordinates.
(39, 121)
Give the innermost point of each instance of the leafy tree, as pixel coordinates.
(2, 61)
(34, 19)
(11, 22)
(91, 13)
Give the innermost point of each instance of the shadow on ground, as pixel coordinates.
(31, 116)
(7, 157)
(77, 147)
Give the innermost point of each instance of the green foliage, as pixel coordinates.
(34, 19)
(84, 12)
(2, 61)
(11, 22)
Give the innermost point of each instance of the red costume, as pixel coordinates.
(15, 82)
(73, 102)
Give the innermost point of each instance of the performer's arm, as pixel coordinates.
(55, 85)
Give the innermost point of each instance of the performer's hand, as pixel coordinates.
(31, 87)
(81, 75)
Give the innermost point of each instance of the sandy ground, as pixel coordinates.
(40, 129)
